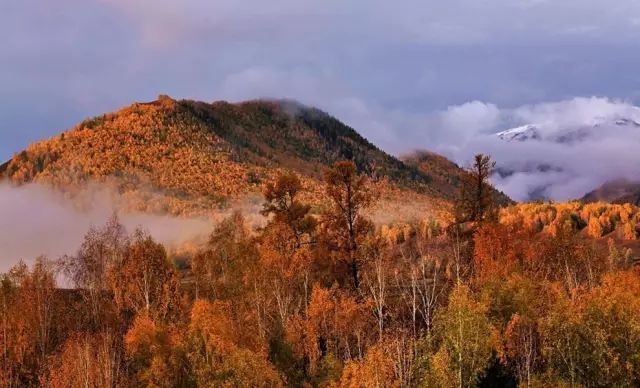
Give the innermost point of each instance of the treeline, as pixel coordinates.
(330, 300)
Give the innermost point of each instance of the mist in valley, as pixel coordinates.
(36, 220)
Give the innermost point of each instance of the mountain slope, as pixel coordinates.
(616, 191)
(289, 135)
(3, 167)
(170, 155)
(444, 173)
(597, 128)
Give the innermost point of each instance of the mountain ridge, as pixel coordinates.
(571, 133)
(208, 153)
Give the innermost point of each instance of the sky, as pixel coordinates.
(407, 74)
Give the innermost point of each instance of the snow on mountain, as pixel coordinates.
(593, 129)
(562, 157)
(522, 133)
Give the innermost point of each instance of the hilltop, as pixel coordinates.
(186, 156)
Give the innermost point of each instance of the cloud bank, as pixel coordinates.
(603, 142)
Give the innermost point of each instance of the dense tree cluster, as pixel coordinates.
(596, 220)
(328, 299)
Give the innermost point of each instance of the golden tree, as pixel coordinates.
(221, 269)
(223, 353)
(88, 360)
(285, 243)
(100, 253)
(281, 202)
(145, 282)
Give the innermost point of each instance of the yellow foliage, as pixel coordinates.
(599, 219)
(376, 370)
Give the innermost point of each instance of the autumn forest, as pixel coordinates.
(532, 295)
(319, 194)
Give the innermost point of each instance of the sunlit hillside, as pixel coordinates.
(187, 157)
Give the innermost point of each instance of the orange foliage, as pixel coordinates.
(340, 321)
(231, 355)
(154, 351)
(377, 369)
(499, 250)
(538, 299)
(599, 218)
(88, 361)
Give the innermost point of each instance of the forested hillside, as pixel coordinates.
(186, 157)
(525, 295)
(331, 194)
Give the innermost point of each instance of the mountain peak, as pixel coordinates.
(532, 152)
(522, 133)
(571, 132)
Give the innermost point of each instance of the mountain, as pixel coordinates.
(616, 191)
(185, 156)
(443, 173)
(523, 133)
(571, 133)
(3, 167)
(565, 156)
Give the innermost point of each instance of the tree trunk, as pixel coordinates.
(354, 274)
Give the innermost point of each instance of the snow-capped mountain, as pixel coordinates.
(571, 132)
(566, 157)
(523, 133)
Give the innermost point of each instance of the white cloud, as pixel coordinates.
(605, 151)
(472, 116)
(576, 111)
